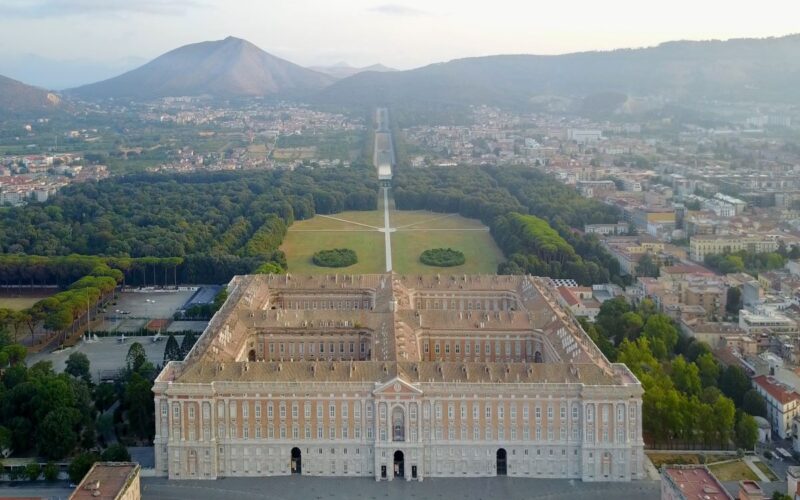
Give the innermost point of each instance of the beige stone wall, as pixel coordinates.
(546, 432)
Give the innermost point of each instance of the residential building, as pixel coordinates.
(691, 482)
(595, 189)
(750, 490)
(700, 246)
(584, 136)
(617, 229)
(110, 481)
(396, 378)
(783, 403)
(766, 320)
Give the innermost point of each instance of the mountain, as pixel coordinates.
(61, 74)
(17, 98)
(344, 70)
(226, 68)
(755, 69)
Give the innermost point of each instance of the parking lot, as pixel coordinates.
(133, 310)
(105, 354)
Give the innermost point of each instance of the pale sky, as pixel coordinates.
(398, 33)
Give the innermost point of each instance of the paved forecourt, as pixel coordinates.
(308, 487)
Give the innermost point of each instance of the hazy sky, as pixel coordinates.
(403, 34)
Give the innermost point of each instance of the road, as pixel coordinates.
(387, 230)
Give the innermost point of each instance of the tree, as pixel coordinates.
(80, 466)
(136, 356)
(734, 383)
(733, 303)
(104, 396)
(708, 368)
(172, 352)
(116, 453)
(746, 431)
(187, 343)
(608, 319)
(686, 376)
(631, 324)
(16, 353)
(269, 268)
(50, 471)
(32, 471)
(662, 334)
(139, 405)
(56, 435)
(78, 367)
(754, 404)
(647, 267)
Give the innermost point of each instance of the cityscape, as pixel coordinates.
(239, 263)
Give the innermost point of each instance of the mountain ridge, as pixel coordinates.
(231, 67)
(343, 70)
(724, 69)
(17, 98)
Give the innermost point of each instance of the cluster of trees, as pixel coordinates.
(442, 257)
(61, 415)
(336, 257)
(64, 309)
(493, 194)
(689, 399)
(175, 352)
(19, 270)
(203, 227)
(749, 262)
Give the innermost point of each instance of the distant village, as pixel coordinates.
(38, 177)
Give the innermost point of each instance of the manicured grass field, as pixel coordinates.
(19, 303)
(415, 232)
(425, 230)
(300, 247)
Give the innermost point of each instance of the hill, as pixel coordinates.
(344, 70)
(225, 68)
(17, 98)
(759, 69)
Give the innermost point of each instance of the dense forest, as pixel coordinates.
(209, 225)
(532, 216)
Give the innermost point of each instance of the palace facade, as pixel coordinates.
(394, 377)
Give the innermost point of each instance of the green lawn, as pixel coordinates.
(764, 468)
(733, 471)
(416, 231)
(300, 247)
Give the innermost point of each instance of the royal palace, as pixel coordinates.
(396, 377)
